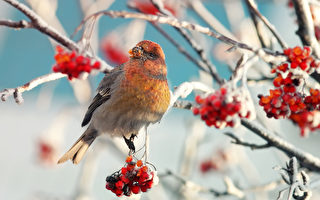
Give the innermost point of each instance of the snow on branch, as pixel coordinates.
(41, 25)
(306, 27)
(17, 92)
(265, 54)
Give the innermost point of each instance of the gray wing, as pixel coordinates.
(103, 94)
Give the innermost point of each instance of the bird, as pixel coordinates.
(130, 97)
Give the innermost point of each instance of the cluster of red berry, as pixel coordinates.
(307, 120)
(286, 100)
(221, 109)
(146, 6)
(46, 152)
(72, 64)
(112, 51)
(132, 178)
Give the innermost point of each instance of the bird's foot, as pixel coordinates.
(130, 143)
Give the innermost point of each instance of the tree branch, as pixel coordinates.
(265, 54)
(231, 189)
(17, 92)
(306, 159)
(39, 24)
(237, 140)
(198, 63)
(309, 161)
(16, 24)
(306, 26)
(253, 8)
(199, 50)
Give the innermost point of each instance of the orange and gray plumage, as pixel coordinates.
(130, 97)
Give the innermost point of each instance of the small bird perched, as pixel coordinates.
(131, 96)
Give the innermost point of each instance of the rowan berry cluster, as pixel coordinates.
(72, 64)
(146, 6)
(134, 177)
(221, 108)
(288, 99)
(113, 51)
(46, 152)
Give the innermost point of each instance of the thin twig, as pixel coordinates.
(231, 190)
(199, 50)
(309, 161)
(42, 26)
(207, 16)
(298, 181)
(260, 30)
(39, 24)
(253, 8)
(306, 159)
(265, 54)
(17, 92)
(184, 89)
(184, 104)
(237, 140)
(198, 63)
(16, 24)
(306, 26)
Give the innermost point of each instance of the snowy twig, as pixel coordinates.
(253, 8)
(207, 16)
(309, 161)
(17, 92)
(184, 104)
(39, 24)
(16, 24)
(199, 50)
(237, 140)
(184, 89)
(298, 181)
(265, 54)
(198, 63)
(306, 26)
(231, 189)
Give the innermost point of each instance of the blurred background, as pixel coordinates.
(36, 133)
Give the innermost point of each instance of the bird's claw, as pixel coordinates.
(130, 144)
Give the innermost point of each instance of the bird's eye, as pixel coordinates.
(152, 55)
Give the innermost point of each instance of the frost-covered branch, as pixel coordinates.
(17, 92)
(231, 189)
(306, 159)
(306, 27)
(237, 140)
(273, 140)
(41, 25)
(186, 88)
(16, 24)
(253, 8)
(208, 17)
(265, 54)
(298, 181)
(199, 50)
(198, 63)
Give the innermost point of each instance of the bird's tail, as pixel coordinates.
(80, 147)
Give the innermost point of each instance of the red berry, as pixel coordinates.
(135, 189)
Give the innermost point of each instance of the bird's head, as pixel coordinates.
(147, 50)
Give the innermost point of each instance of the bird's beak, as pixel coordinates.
(135, 52)
(130, 53)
